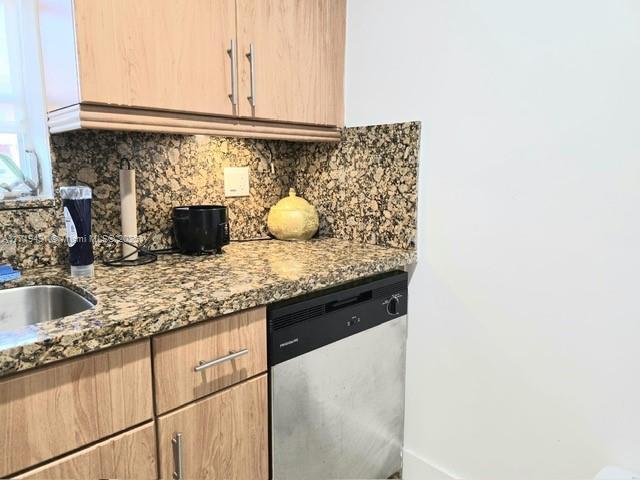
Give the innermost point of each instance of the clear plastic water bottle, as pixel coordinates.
(76, 203)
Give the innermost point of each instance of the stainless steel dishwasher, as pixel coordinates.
(337, 367)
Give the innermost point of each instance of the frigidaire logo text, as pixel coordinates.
(290, 342)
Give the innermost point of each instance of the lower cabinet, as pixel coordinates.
(223, 436)
(58, 409)
(92, 417)
(177, 354)
(130, 455)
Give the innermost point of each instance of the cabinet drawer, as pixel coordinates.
(130, 455)
(224, 436)
(56, 409)
(238, 343)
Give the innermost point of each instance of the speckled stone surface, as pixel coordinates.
(364, 187)
(26, 202)
(171, 170)
(133, 303)
(31, 237)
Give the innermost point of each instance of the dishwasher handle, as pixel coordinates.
(349, 301)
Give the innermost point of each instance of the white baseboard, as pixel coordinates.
(416, 468)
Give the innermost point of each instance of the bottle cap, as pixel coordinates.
(75, 193)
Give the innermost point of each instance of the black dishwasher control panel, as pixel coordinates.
(305, 323)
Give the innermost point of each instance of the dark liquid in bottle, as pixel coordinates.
(81, 253)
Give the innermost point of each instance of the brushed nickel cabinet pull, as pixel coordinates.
(234, 69)
(176, 442)
(252, 63)
(203, 365)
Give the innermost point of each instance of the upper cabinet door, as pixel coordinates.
(160, 54)
(296, 71)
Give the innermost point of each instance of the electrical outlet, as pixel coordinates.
(236, 182)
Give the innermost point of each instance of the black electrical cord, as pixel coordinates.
(256, 239)
(168, 250)
(145, 255)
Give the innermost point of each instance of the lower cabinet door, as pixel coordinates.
(223, 436)
(58, 409)
(130, 455)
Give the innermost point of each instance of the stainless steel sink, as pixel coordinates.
(22, 306)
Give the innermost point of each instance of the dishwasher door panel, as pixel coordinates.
(338, 411)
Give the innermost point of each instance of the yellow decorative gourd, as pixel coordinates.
(293, 218)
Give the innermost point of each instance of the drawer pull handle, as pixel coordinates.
(212, 363)
(176, 442)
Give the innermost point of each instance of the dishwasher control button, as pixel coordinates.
(392, 306)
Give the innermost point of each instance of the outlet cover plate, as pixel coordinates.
(236, 181)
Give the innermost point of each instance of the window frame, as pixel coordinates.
(27, 95)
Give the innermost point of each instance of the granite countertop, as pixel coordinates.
(178, 290)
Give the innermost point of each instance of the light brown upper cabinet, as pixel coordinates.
(164, 54)
(252, 68)
(292, 60)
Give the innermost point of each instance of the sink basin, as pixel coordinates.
(22, 306)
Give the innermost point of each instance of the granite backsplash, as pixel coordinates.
(364, 186)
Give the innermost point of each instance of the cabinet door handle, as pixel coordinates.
(252, 64)
(176, 442)
(203, 365)
(234, 69)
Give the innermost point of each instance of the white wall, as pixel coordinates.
(524, 349)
